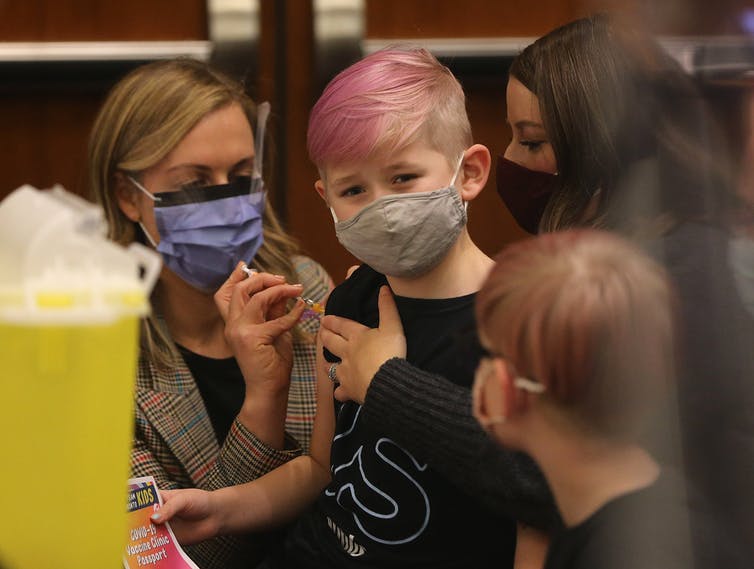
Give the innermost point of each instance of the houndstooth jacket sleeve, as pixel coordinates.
(175, 443)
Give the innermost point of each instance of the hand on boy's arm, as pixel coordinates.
(363, 350)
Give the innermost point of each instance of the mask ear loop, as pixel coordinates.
(455, 176)
(334, 217)
(457, 170)
(153, 198)
(149, 194)
(526, 384)
(146, 233)
(263, 113)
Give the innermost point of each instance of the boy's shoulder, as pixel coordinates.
(356, 297)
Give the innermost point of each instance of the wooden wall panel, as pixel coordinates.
(490, 224)
(395, 19)
(102, 20)
(472, 18)
(47, 109)
(44, 139)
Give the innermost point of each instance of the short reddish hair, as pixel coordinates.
(588, 315)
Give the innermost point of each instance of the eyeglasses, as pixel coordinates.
(479, 411)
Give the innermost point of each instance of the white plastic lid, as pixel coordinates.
(57, 265)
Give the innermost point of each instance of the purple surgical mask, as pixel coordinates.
(204, 232)
(524, 192)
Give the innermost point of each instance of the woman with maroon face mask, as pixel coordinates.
(608, 132)
(527, 174)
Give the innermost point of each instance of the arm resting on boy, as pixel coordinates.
(427, 412)
(413, 407)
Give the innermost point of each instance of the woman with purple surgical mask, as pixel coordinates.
(225, 386)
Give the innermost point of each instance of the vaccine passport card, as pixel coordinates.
(148, 545)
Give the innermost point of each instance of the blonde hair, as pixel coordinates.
(144, 117)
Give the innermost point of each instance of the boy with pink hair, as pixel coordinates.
(398, 166)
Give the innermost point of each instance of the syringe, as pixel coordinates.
(311, 305)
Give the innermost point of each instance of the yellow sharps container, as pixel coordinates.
(70, 303)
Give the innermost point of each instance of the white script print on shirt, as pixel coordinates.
(379, 488)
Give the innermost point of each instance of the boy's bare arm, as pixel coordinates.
(282, 495)
(270, 501)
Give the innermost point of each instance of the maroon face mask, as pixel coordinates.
(524, 192)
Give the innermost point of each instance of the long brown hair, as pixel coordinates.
(625, 121)
(143, 119)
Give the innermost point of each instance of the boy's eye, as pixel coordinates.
(403, 178)
(352, 191)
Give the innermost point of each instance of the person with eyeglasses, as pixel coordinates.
(579, 327)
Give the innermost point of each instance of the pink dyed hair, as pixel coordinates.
(389, 99)
(589, 316)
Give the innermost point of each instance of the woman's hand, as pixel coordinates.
(257, 328)
(193, 514)
(363, 350)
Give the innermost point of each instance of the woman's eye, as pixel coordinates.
(192, 184)
(244, 172)
(532, 145)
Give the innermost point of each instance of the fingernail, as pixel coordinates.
(298, 285)
(279, 276)
(155, 517)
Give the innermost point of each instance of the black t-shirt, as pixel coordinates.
(657, 527)
(385, 507)
(222, 387)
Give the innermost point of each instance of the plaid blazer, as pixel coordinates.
(174, 440)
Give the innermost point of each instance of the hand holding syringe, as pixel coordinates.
(312, 307)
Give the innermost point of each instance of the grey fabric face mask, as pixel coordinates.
(405, 235)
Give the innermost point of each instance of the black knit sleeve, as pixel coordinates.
(432, 416)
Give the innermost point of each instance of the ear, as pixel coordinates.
(127, 197)
(501, 402)
(474, 171)
(319, 185)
